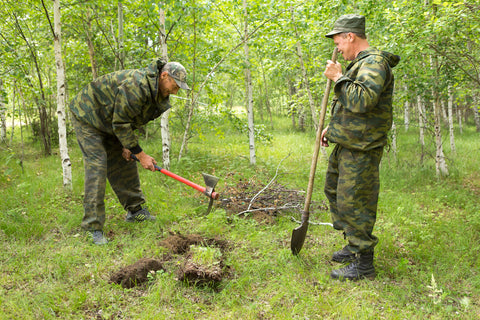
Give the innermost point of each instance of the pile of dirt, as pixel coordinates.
(136, 274)
(179, 257)
(252, 199)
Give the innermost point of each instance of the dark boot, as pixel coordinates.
(139, 216)
(343, 255)
(361, 268)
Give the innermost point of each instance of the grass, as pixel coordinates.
(427, 259)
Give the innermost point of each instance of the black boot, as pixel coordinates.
(343, 255)
(361, 268)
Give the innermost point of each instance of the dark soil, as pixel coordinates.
(266, 204)
(178, 257)
(194, 273)
(136, 274)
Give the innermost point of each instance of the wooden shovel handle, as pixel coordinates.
(321, 121)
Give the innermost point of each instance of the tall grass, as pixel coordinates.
(427, 258)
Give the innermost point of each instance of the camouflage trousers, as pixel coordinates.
(102, 157)
(352, 185)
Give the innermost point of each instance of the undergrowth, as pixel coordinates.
(427, 258)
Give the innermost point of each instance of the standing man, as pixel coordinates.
(361, 118)
(105, 114)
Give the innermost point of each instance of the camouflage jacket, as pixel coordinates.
(362, 111)
(122, 101)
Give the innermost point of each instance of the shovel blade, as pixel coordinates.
(298, 237)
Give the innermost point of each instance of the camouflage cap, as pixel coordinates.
(348, 23)
(178, 73)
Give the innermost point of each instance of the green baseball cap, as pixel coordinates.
(178, 73)
(348, 23)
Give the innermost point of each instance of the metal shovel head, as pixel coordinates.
(298, 237)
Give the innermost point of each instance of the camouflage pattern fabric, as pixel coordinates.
(102, 156)
(120, 102)
(362, 111)
(105, 114)
(352, 187)
(361, 118)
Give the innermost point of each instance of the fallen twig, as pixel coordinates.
(271, 181)
(266, 209)
(314, 223)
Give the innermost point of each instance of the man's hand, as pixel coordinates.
(146, 161)
(127, 154)
(323, 140)
(333, 70)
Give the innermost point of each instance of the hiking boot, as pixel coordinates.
(361, 268)
(139, 216)
(98, 237)
(343, 255)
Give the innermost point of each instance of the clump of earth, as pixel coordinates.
(200, 261)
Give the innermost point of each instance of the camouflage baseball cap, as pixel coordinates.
(348, 23)
(178, 73)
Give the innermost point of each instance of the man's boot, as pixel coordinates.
(343, 255)
(361, 268)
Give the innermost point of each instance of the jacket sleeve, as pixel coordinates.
(362, 94)
(130, 98)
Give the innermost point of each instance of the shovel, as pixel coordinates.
(299, 233)
(208, 190)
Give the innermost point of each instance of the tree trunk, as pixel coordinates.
(91, 48)
(450, 119)
(164, 125)
(121, 52)
(192, 99)
(421, 120)
(406, 112)
(267, 101)
(306, 83)
(61, 114)
(459, 118)
(476, 106)
(248, 89)
(3, 109)
(394, 141)
(291, 94)
(440, 164)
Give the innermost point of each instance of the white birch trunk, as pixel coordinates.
(121, 52)
(61, 114)
(248, 89)
(421, 120)
(450, 119)
(164, 125)
(459, 118)
(394, 140)
(476, 105)
(3, 120)
(406, 115)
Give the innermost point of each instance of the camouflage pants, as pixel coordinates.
(102, 157)
(352, 186)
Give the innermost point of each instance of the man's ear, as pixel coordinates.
(163, 74)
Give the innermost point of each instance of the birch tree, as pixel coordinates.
(248, 90)
(3, 109)
(61, 114)
(450, 119)
(166, 143)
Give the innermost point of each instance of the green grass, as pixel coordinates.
(427, 258)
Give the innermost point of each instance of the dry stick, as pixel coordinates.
(271, 181)
(271, 208)
(314, 223)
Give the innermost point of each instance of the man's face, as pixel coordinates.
(343, 41)
(167, 85)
